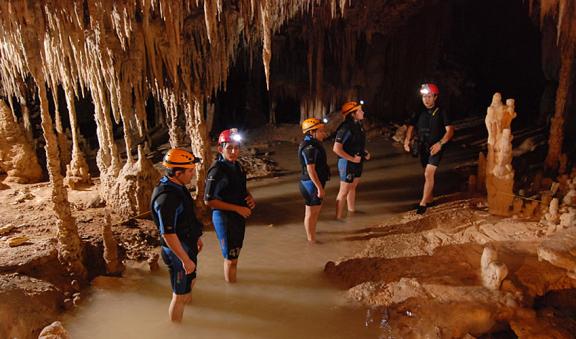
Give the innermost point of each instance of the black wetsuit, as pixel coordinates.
(351, 135)
(430, 126)
(311, 152)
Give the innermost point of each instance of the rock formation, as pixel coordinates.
(54, 331)
(114, 265)
(493, 272)
(17, 156)
(499, 171)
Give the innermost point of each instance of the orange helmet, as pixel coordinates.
(229, 135)
(311, 124)
(350, 107)
(179, 158)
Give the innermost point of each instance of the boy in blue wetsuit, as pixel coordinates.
(350, 147)
(173, 213)
(231, 203)
(435, 129)
(315, 173)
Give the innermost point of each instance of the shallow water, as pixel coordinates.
(281, 290)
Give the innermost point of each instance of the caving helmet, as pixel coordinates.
(350, 107)
(429, 89)
(311, 124)
(179, 158)
(229, 135)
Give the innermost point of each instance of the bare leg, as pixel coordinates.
(230, 268)
(176, 309)
(310, 221)
(351, 198)
(341, 198)
(429, 173)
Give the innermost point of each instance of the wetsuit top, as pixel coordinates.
(352, 137)
(431, 124)
(311, 152)
(226, 181)
(173, 212)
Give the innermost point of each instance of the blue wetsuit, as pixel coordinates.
(353, 139)
(173, 213)
(226, 181)
(311, 152)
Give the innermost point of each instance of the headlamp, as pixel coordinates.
(324, 120)
(361, 102)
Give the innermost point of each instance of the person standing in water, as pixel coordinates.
(315, 173)
(350, 147)
(172, 209)
(231, 203)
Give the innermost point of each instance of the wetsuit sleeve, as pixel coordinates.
(343, 134)
(167, 208)
(216, 181)
(413, 120)
(310, 154)
(446, 117)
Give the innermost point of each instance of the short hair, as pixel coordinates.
(171, 172)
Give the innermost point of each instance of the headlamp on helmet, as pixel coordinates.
(229, 135)
(426, 89)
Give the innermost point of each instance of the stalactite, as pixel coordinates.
(266, 39)
(77, 172)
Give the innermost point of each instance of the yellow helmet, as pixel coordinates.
(311, 124)
(350, 107)
(179, 158)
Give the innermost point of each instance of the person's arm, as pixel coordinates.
(339, 150)
(250, 201)
(173, 242)
(218, 204)
(447, 136)
(311, 168)
(408, 138)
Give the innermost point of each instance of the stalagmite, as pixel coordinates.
(499, 171)
(17, 156)
(114, 265)
(69, 245)
(493, 271)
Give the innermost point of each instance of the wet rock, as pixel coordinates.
(18, 241)
(560, 250)
(75, 285)
(54, 331)
(6, 229)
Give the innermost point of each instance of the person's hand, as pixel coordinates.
(435, 148)
(189, 265)
(407, 146)
(200, 245)
(245, 212)
(367, 155)
(320, 192)
(250, 201)
(357, 159)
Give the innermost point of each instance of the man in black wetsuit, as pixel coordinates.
(434, 129)
(173, 213)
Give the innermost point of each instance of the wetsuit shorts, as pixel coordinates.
(180, 281)
(310, 193)
(348, 170)
(229, 227)
(426, 158)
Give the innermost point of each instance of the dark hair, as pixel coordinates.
(171, 172)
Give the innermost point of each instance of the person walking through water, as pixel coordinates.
(172, 209)
(315, 173)
(231, 203)
(434, 129)
(350, 147)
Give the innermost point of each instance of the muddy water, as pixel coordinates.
(281, 291)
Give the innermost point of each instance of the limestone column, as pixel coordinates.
(499, 171)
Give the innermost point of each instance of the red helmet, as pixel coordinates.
(229, 135)
(429, 89)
